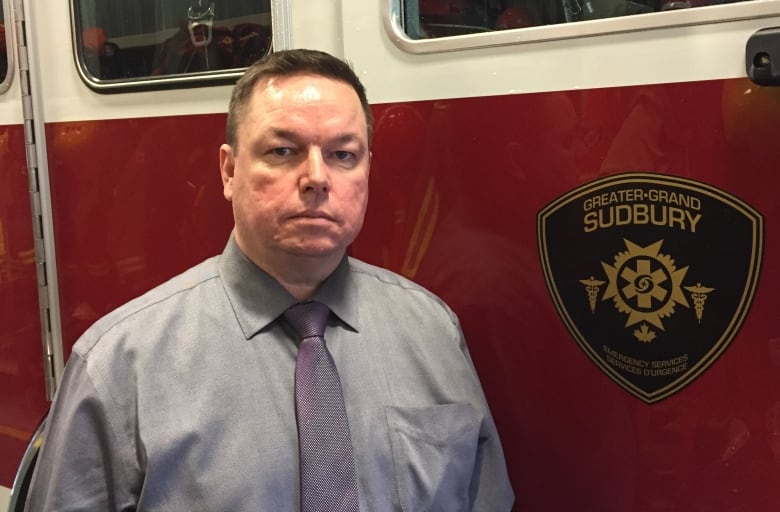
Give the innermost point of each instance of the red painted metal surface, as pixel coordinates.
(22, 393)
(456, 186)
(455, 189)
(135, 201)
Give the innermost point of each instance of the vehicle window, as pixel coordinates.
(427, 19)
(121, 41)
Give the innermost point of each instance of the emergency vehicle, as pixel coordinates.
(589, 184)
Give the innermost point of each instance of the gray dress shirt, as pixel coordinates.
(183, 400)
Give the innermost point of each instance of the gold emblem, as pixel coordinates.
(647, 297)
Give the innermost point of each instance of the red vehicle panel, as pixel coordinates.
(136, 201)
(456, 210)
(22, 395)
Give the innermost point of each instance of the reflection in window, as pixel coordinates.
(132, 39)
(425, 19)
(3, 47)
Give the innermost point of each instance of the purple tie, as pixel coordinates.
(328, 482)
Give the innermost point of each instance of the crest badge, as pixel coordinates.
(653, 275)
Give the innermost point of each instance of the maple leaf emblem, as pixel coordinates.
(644, 334)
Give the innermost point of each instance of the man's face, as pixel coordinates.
(298, 179)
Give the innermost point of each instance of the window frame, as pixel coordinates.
(393, 25)
(148, 83)
(10, 46)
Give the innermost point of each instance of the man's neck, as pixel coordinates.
(303, 276)
(300, 275)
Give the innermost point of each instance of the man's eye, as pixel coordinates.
(342, 155)
(281, 151)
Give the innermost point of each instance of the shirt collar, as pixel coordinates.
(258, 299)
(339, 293)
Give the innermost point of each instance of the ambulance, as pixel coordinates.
(589, 184)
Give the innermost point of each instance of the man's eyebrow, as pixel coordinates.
(284, 134)
(347, 137)
(342, 138)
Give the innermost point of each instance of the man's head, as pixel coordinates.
(288, 63)
(296, 165)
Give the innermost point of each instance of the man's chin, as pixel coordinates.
(317, 250)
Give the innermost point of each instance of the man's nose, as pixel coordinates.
(315, 173)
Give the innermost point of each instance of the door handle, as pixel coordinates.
(762, 56)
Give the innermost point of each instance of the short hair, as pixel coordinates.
(290, 63)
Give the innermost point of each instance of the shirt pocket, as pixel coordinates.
(434, 454)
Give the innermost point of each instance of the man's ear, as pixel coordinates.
(227, 167)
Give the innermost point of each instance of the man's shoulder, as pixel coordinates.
(383, 276)
(389, 284)
(163, 298)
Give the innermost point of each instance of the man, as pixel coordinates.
(187, 398)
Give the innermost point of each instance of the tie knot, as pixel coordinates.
(308, 318)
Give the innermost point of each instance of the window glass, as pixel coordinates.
(426, 19)
(142, 40)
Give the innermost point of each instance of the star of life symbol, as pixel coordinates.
(647, 287)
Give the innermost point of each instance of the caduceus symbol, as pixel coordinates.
(699, 296)
(592, 286)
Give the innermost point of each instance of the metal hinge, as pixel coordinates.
(281, 21)
(38, 222)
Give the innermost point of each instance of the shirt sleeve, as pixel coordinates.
(84, 464)
(490, 490)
